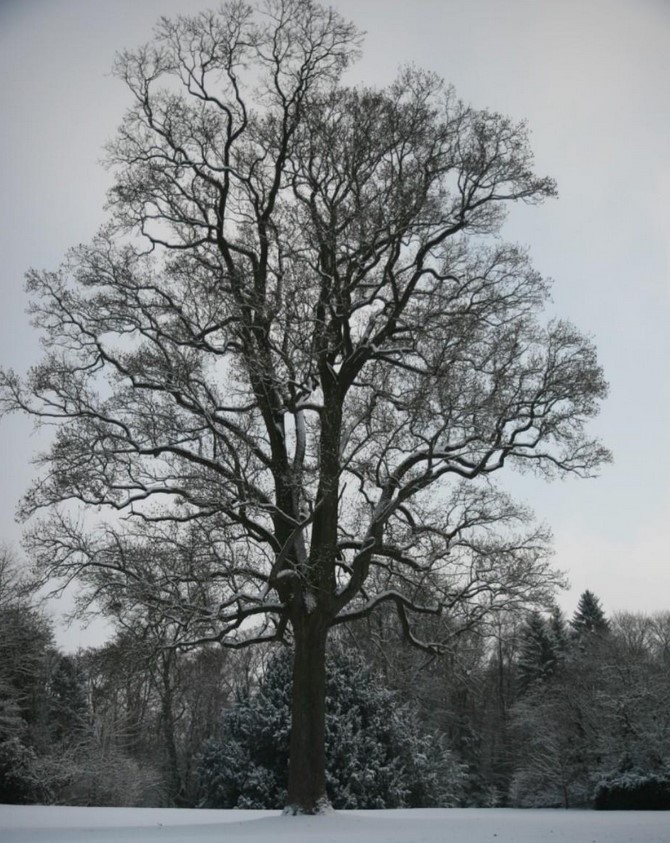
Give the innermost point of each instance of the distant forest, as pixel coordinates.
(537, 710)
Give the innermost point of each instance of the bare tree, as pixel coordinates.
(294, 358)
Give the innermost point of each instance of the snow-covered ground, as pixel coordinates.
(25, 824)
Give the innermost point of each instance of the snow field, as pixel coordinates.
(50, 824)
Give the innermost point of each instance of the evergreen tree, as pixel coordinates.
(17, 784)
(377, 755)
(26, 641)
(558, 630)
(589, 616)
(538, 651)
(68, 705)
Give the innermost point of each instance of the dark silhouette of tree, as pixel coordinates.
(69, 713)
(589, 616)
(538, 651)
(558, 630)
(298, 332)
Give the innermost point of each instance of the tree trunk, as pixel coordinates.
(307, 759)
(173, 773)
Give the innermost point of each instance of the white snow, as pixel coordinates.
(310, 602)
(49, 824)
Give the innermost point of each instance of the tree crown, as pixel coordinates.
(297, 354)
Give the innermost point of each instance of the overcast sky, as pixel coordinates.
(591, 77)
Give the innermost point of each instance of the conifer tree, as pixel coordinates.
(589, 616)
(558, 630)
(538, 651)
(68, 706)
(378, 755)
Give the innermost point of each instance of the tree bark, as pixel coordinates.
(307, 758)
(168, 726)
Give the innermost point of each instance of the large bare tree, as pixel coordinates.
(284, 373)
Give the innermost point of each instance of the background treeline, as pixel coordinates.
(531, 710)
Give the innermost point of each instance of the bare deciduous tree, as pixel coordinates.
(293, 359)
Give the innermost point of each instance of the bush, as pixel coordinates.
(18, 784)
(633, 791)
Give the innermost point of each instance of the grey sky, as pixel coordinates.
(592, 79)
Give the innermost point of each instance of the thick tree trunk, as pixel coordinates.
(307, 760)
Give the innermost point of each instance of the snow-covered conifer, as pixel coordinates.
(377, 754)
(589, 616)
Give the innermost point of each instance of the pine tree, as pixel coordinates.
(589, 617)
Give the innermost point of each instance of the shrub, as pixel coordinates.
(18, 784)
(633, 791)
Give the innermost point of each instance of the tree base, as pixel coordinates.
(322, 808)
